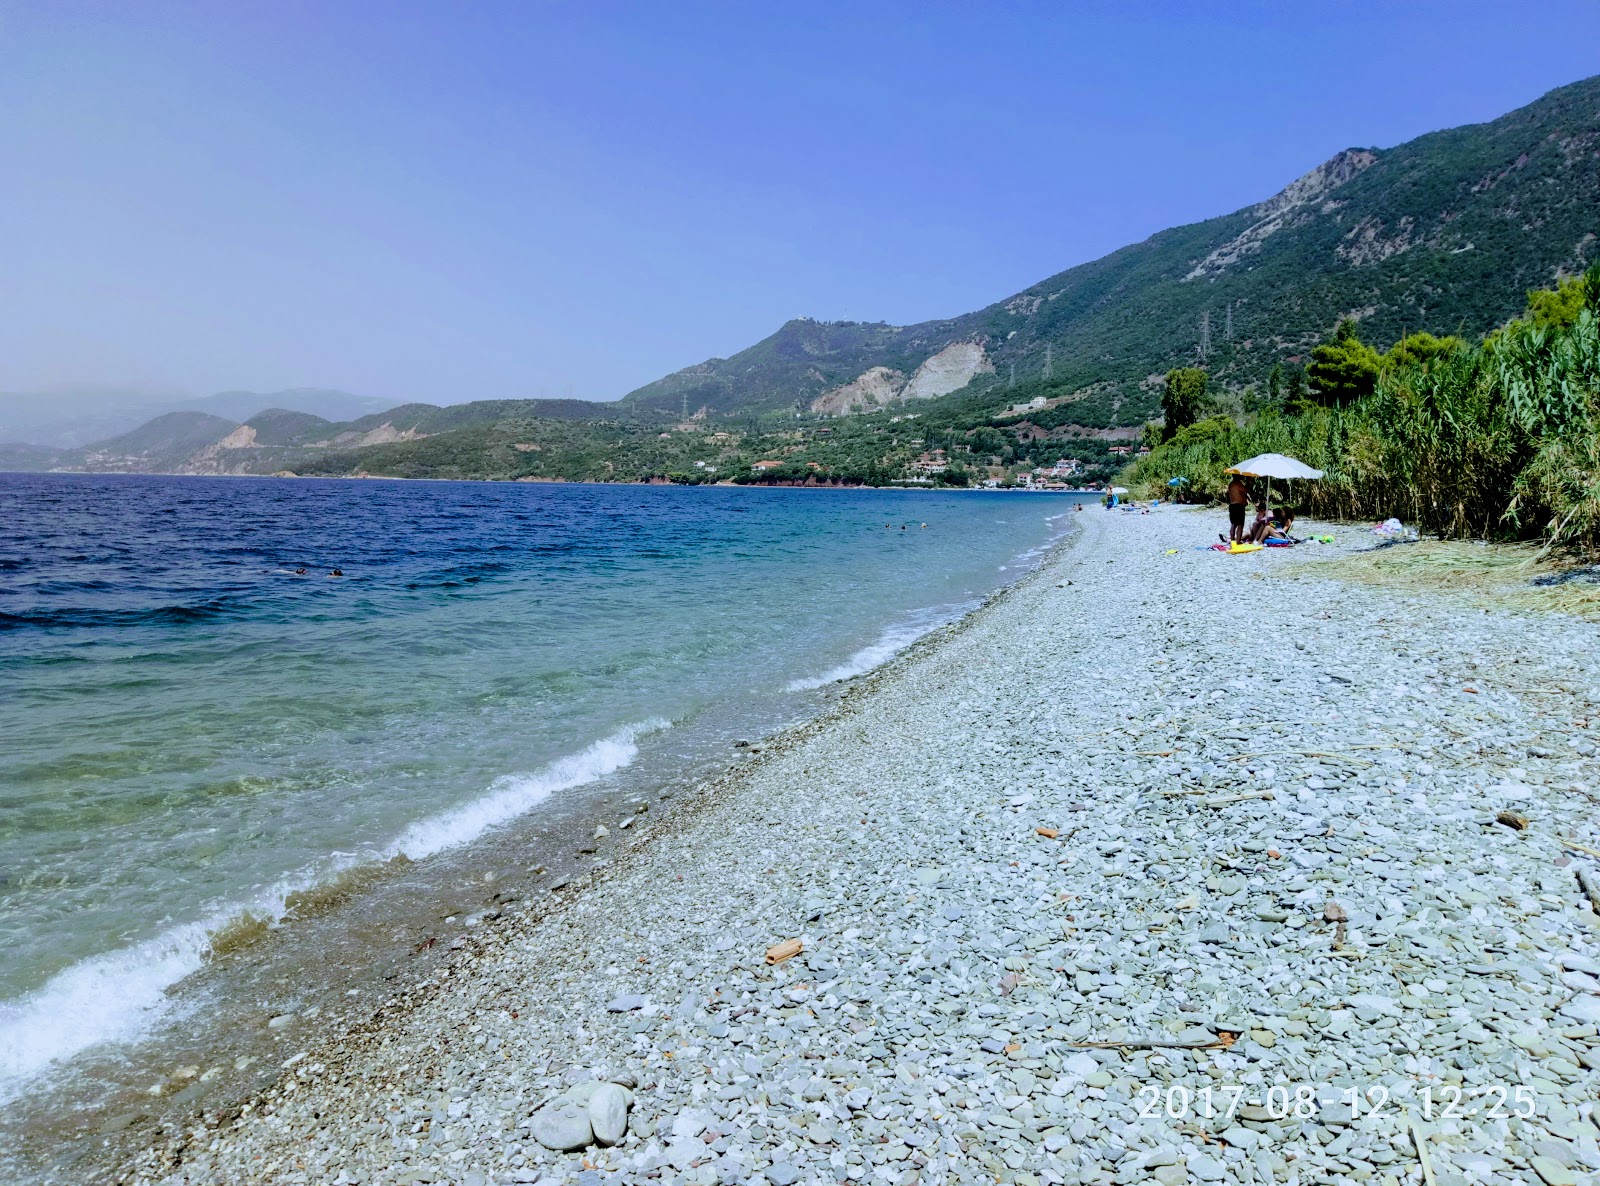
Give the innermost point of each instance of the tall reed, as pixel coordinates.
(1497, 440)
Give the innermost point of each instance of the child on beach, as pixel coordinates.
(1263, 523)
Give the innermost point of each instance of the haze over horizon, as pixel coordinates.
(421, 203)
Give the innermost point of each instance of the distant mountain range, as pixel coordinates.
(66, 418)
(191, 441)
(1444, 233)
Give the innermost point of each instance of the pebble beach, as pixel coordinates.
(1163, 866)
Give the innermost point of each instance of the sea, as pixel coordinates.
(231, 706)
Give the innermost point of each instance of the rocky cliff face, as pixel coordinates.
(948, 370)
(869, 390)
(242, 452)
(384, 434)
(1299, 201)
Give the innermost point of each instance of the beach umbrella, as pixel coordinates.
(1119, 489)
(1273, 465)
(1176, 481)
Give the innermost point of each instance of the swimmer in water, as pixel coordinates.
(338, 572)
(299, 572)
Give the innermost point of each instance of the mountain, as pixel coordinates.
(69, 415)
(1445, 233)
(57, 424)
(158, 446)
(275, 439)
(74, 416)
(427, 419)
(317, 401)
(15, 459)
(796, 365)
(280, 426)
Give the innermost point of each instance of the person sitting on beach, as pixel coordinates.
(1281, 526)
(1262, 524)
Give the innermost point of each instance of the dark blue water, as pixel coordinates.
(192, 728)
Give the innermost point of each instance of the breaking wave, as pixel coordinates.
(890, 643)
(118, 996)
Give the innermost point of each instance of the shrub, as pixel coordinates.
(1498, 439)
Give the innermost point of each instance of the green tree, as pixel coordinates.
(1204, 430)
(1559, 306)
(1275, 385)
(1294, 391)
(1345, 369)
(1418, 349)
(1184, 398)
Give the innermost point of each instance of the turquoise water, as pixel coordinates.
(192, 729)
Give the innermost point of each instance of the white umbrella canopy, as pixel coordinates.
(1274, 465)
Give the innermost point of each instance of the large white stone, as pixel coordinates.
(1583, 1008)
(608, 1114)
(563, 1125)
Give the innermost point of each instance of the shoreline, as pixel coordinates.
(364, 477)
(689, 794)
(1006, 894)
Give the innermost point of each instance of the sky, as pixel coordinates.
(448, 201)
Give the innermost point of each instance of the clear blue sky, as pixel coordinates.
(455, 201)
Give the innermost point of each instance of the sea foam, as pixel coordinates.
(516, 794)
(119, 996)
(890, 643)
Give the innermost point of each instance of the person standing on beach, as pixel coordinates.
(1238, 503)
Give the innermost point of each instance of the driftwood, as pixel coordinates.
(1224, 800)
(1220, 800)
(1421, 1141)
(1151, 1044)
(1590, 890)
(1316, 753)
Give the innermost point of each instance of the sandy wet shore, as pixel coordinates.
(1276, 873)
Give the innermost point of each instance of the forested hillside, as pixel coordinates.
(1444, 233)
